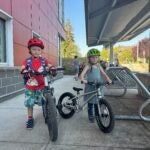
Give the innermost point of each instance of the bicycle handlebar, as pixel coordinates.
(98, 84)
(60, 68)
(45, 72)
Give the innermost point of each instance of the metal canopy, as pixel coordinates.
(111, 21)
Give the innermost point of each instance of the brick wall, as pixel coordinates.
(11, 82)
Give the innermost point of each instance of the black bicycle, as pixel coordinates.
(48, 102)
(69, 103)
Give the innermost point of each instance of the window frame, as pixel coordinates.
(35, 35)
(8, 38)
(4, 57)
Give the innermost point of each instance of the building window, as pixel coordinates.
(6, 40)
(61, 11)
(2, 41)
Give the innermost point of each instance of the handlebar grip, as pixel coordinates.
(22, 71)
(81, 82)
(112, 82)
(90, 83)
(60, 69)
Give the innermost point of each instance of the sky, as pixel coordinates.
(74, 11)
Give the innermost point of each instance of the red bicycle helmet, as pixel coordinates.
(35, 42)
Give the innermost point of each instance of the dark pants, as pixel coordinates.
(90, 110)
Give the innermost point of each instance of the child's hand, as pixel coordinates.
(53, 71)
(110, 81)
(25, 73)
(84, 81)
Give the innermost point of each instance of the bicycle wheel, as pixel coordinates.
(66, 105)
(104, 116)
(44, 110)
(51, 120)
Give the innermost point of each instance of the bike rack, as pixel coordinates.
(124, 81)
(126, 78)
(120, 84)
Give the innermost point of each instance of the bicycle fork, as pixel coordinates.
(100, 96)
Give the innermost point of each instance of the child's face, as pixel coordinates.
(94, 59)
(36, 51)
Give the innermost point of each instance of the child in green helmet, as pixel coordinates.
(92, 72)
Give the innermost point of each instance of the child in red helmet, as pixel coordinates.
(34, 84)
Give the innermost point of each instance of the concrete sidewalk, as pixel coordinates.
(75, 133)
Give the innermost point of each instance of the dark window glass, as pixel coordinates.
(2, 41)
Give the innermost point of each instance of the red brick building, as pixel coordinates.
(19, 21)
(23, 19)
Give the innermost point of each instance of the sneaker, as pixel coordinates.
(30, 124)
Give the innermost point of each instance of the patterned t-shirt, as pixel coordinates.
(36, 82)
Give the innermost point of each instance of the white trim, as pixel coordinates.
(9, 43)
(59, 59)
(9, 39)
(3, 65)
(34, 33)
(4, 15)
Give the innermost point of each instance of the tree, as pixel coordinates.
(124, 54)
(104, 54)
(68, 47)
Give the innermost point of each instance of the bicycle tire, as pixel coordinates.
(51, 119)
(44, 111)
(106, 113)
(69, 97)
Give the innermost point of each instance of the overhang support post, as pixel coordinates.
(111, 53)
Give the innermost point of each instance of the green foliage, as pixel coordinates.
(125, 54)
(68, 47)
(68, 64)
(104, 54)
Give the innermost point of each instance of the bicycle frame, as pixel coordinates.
(47, 83)
(79, 107)
(69, 104)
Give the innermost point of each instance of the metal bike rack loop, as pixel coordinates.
(124, 75)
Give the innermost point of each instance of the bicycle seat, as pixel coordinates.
(77, 89)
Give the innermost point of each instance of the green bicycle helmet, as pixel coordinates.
(93, 52)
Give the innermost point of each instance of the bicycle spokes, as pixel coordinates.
(67, 105)
(104, 115)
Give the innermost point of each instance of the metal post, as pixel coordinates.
(149, 53)
(149, 62)
(137, 55)
(111, 53)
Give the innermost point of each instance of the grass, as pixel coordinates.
(137, 67)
